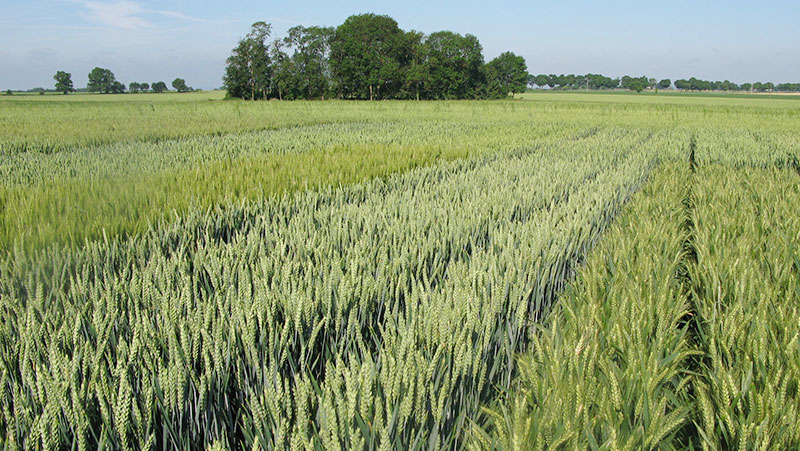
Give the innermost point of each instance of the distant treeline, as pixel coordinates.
(103, 81)
(596, 81)
(368, 57)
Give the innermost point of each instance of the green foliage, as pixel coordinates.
(506, 74)
(159, 86)
(368, 53)
(63, 82)
(102, 80)
(588, 81)
(310, 64)
(694, 84)
(179, 84)
(454, 64)
(368, 57)
(249, 73)
(637, 84)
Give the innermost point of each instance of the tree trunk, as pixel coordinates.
(370, 92)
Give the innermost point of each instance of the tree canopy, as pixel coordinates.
(101, 80)
(179, 84)
(159, 86)
(506, 74)
(370, 57)
(368, 53)
(63, 82)
(249, 72)
(366, 57)
(455, 65)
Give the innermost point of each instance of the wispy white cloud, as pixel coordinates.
(176, 15)
(122, 14)
(128, 15)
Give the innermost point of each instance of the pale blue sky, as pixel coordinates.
(143, 40)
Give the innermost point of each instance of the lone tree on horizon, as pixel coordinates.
(179, 84)
(159, 86)
(63, 82)
(101, 80)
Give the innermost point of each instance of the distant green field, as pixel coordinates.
(561, 270)
(72, 169)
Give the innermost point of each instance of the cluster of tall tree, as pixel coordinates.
(368, 57)
(103, 80)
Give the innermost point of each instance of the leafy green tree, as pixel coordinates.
(455, 63)
(311, 60)
(368, 53)
(508, 74)
(101, 80)
(542, 80)
(248, 74)
(144, 87)
(134, 87)
(746, 86)
(637, 84)
(8, 92)
(788, 87)
(696, 84)
(117, 88)
(179, 84)
(597, 81)
(63, 82)
(283, 72)
(665, 83)
(564, 81)
(490, 87)
(159, 86)
(418, 74)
